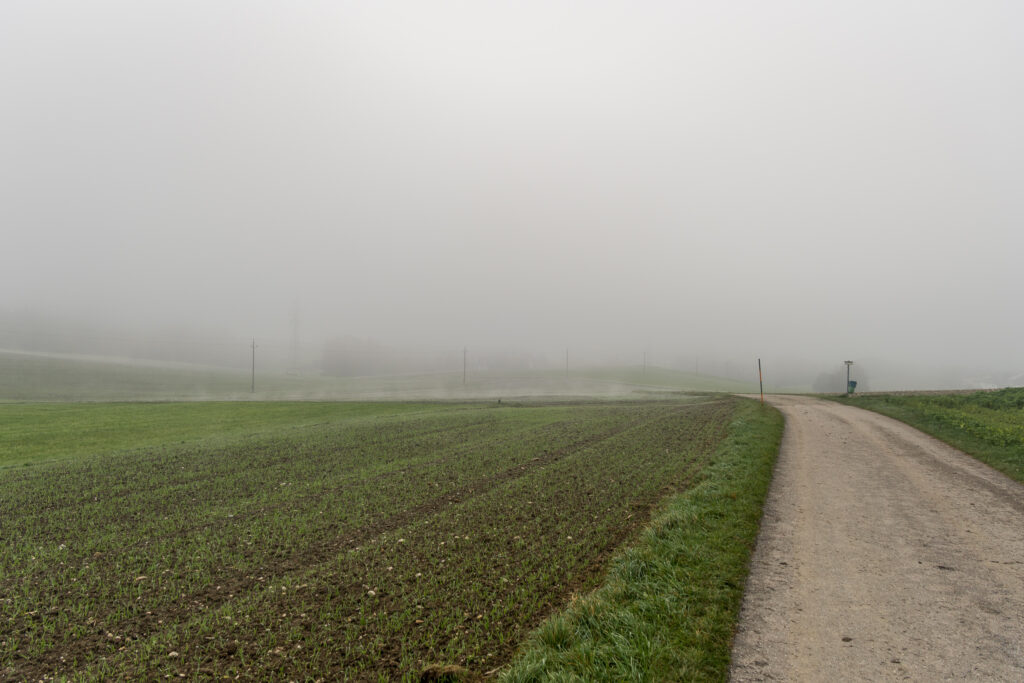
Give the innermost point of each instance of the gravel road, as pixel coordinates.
(884, 554)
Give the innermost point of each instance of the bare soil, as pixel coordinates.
(884, 554)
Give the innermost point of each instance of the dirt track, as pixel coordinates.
(884, 555)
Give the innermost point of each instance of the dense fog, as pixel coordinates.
(697, 184)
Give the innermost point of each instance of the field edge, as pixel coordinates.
(669, 606)
(953, 424)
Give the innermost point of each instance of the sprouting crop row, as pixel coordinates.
(361, 549)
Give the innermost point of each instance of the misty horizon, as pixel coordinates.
(707, 184)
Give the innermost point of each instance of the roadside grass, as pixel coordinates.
(668, 607)
(988, 425)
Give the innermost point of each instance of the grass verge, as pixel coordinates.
(988, 425)
(669, 605)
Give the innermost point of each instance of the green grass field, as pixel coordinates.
(987, 424)
(364, 541)
(27, 377)
(41, 432)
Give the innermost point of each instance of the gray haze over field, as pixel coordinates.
(709, 182)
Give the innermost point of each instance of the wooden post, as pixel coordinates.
(760, 379)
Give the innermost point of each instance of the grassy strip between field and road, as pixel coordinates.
(988, 425)
(669, 605)
(368, 542)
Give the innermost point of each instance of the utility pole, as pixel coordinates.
(848, 364)
(252, 389)
(293, 360)
(464, 366)
(760, 379)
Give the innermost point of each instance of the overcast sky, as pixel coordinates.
(815, 180)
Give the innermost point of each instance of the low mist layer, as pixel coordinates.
(370, 189)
